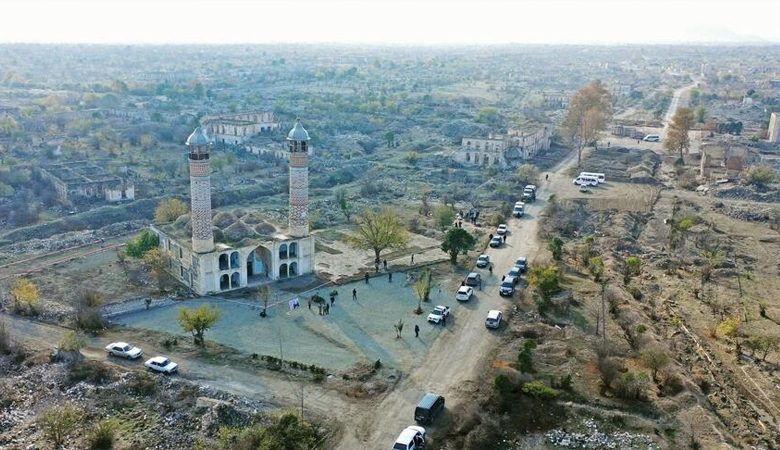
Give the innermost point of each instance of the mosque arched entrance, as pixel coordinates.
(259, 265)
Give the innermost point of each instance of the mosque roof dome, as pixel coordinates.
(198, 138)
(298, 133)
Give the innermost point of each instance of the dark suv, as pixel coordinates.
(473, 279)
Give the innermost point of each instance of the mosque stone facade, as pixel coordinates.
(209, 267)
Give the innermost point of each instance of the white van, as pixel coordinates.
(652, 138)
(599, 176)
(586, 181)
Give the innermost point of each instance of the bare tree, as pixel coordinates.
(677, 138)
(589, 111)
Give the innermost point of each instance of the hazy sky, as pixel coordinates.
(389, 21)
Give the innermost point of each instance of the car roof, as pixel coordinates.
(428, 400)
(440, 306)
(521, 258)
(158, 359)
(493, 314)
(514, 269)
(120, 344)
(484, 256)
(473, 275)
(496, 237)
(507, 279)
(406, 435)
(464, 288)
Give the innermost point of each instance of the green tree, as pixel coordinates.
(589, 111)
(632, 266)
(527, 174)
(556, 248)
(390, 139)
(197, 321)
(488, 115)
(701, 114)
(378, 231)
(456, 241)
(760, 175)
(654, 358)
(341, 200)
(57, 422)
(72, 342)
(763, 344)
(141, 244)
(169, 210)
(596, 267)
(525, 359)
(677, 136)
(540, 390)
(545, 279)
(445, 216)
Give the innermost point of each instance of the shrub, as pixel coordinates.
(91, 371)
(72, 342)
(540, 390)
(57, 422)
(89, 320)
(760, 175)
(5, 339)
(143, 384)
(635, 292)
(632, 385)
(102, 434)
(141, 244)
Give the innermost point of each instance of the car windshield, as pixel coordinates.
(506, 284)
(463, 290)
(163, 362)
(399, 446)
(126, 348)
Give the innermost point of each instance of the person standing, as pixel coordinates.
(417, 331)
(366, 277)
(384, 262)
(444, 320)
(412, 258)
(310, 304)
(354, 294)
(389, 277)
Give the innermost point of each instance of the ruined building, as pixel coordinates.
(248, 251)
(235, 129)
(504, 150)
(84, 180)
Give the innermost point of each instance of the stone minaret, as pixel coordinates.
(200, 191)
(298, 140)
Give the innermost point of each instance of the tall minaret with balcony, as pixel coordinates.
(200, 191)
(298, 145)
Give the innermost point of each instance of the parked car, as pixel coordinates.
(496, 241)
(652, 138)
(494, 318)
(162, 364)
(514, 272)
(507, 287)
(519, 209)
(522, 263)
(124, 350)
(483, 261)
(439, 313)
(529, 194)
(582, 180)
(464, 293)
(412, 438)
(502, 229)
(473, 279)
(429, 407)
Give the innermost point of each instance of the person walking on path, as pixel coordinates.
(354, 294)
(480, 281)
(376, 267)
(503, 277)
(332, 300)
(490, 269)
(148, 303)
(546, 176)
(310, 304)
(412, 258)
(504, 238)
(384, 262)
(417, 331)
(366, 277)
(389, 277)
(444, 320)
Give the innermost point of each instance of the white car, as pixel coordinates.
(412, 438)
(502, 229)
(483, 261)
(439, 313)
(162, 364)
(494, 318)
(464, 294)
(124, 350)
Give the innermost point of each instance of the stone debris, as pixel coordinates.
(592, 438)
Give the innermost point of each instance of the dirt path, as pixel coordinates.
(461, 354)
(271, 388)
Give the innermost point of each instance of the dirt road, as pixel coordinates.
(271, 388)
(673, 105)
(463, 351)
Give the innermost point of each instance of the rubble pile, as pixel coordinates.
(749, 194)
(592, 438)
